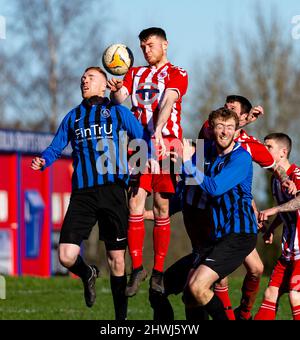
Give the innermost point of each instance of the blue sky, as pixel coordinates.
(194, 27)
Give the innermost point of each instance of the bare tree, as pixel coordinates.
(209, 83)
(56, 41)
(271, 74)
(263, 67)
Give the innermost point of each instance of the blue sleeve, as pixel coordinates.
(232, 174)
(134, 127)
(131, 124)
(59, 142)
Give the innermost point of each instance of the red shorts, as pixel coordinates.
(286, 275)
(164, 183)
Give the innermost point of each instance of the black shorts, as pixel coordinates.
(225, 255)
(106, 205)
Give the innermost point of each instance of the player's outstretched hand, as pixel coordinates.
(37, 163)
(114, 84)
(290, 186)
(265, 214)
(154, 166)
(188, 150)
(255, 113)
(268, 237)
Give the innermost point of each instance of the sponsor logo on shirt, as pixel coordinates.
(147, 93)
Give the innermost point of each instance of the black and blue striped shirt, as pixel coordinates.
(227, 181)
(98, 136)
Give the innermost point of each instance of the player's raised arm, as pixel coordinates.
(118, 92)
(170, 97)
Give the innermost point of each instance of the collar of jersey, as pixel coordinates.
(95, 100)
(236, 146)
(157, 69)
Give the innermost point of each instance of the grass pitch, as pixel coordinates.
(61, 298)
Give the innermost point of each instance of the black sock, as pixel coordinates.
(80, 268)
(175, 277)
(195, 314)
(137, 269)
(118, 285)
(162, 308)
(215, 309)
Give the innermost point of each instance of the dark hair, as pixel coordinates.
(148, 32)
(245, 103)
(281, 138)
(224, 114)
(97, 68)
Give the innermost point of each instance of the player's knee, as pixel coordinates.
(294, 297)
(67, 258)
(161, 211)
(117, 265)
(135, 209)
(136, 205)
(257, 270)
(271, 294)
(197, 291)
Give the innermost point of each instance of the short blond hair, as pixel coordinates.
(97, 68)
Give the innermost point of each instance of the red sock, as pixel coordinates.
(267, 311)
(161, 240)
(296, 312)
(222, 294)
(249, 291)
(136, 234)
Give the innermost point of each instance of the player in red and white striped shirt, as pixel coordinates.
(156, 92)
(286, 274)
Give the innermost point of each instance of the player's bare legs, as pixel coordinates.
(267, 310)
(116, 263)
(285, 278)
(294, 297)
(199, 285)
(68, 254)
(69, 257)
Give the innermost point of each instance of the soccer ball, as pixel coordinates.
(117, 59)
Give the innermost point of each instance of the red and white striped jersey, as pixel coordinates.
(258, 151)
(147, 86)
(291, 220)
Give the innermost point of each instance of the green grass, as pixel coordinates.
(61, 298)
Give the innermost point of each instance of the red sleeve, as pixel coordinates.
(178, 81)
(128, 80)
(296, 178)
(259, 153)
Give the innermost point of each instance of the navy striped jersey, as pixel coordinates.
(228, 182)
(290, 243)
(98, 136)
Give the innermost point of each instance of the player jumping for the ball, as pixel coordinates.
(156, 91)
